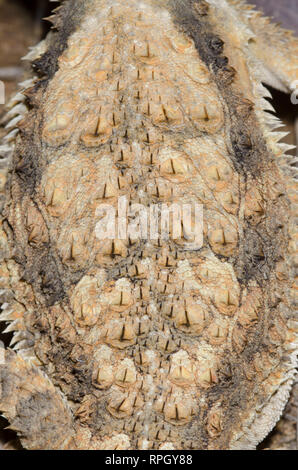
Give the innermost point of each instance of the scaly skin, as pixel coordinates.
(133, 344)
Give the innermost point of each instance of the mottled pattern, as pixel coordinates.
(145, 344)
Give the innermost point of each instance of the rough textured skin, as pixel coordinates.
(145, 344)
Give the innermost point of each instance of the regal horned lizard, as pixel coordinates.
(147, 344)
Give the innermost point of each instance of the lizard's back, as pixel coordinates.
(153, 343)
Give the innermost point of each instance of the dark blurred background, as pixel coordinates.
(284, 12)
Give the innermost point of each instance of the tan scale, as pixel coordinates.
(149, 344)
